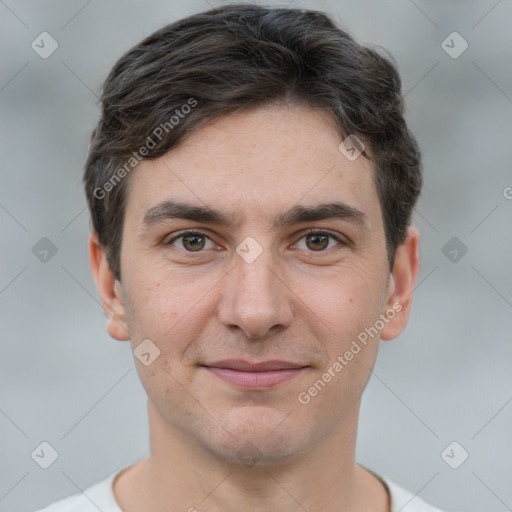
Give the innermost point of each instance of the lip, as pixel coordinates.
(249, 375)
(246, 366)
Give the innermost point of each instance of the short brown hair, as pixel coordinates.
(242, 56)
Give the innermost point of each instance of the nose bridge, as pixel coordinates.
(255, 300)
(258, 275)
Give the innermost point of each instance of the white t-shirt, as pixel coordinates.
(100, 496)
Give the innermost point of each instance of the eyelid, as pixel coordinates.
(342, 240)
(318, 231)
(185, 232)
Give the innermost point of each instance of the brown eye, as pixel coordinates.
(190, 241)
(318, 241)
(193, 242)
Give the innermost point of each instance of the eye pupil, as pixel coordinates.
(322, 245)
(194, 244)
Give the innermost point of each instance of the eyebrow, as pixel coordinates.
(171, 209)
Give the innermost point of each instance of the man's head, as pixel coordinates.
(236, 57)
(262, 100)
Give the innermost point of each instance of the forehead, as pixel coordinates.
(255, 165)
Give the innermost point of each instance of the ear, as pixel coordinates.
(109, 289)
(401, 285)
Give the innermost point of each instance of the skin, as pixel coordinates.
(293, 303)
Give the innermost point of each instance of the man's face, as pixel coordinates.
(283, 295)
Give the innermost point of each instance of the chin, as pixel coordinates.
(256, 435)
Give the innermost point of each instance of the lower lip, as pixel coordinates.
(255, 380)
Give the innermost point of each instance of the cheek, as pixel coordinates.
(169, 320)
(341, 314)
(344, 304)
(170, 308)
(152, 306)
(342, 324)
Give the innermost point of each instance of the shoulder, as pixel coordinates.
(404, 501)
(401, 499)
(76, 503)
(99, 496)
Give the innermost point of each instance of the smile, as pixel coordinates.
(255, 375)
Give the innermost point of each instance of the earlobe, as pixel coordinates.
(401, 286)
(109, 289)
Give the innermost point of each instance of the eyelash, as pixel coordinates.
(311, 231)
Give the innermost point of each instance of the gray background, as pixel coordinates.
(446, 378)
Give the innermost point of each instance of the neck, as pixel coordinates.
(182, 474)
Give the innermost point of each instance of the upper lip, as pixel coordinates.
(247, 366)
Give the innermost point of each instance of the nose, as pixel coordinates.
(256, 297)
